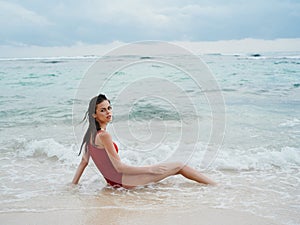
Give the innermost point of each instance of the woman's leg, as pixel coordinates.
(132, 180)
(172, 169)
(195, 175)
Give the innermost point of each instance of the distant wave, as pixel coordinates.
(56, 59)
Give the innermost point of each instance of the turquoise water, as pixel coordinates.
(257, 165)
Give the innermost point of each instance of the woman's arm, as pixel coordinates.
(123, 168)
(84, 162)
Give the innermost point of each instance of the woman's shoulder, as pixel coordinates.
(102, 134)
(102, 137)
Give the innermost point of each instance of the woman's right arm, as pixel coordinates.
(84, 162)
(122, 167)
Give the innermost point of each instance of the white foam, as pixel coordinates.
(227, 159)
(290, 123)
(258, 159)
(50, 148)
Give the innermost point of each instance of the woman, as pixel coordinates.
(98, 144)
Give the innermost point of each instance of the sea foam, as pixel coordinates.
(258, 159)
(49, 148)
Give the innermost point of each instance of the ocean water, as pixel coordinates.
(257, 166)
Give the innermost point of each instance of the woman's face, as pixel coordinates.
(103, 112)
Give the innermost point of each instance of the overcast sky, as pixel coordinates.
(69, 22)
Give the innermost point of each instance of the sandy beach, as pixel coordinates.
(121, 207)
(205, 216)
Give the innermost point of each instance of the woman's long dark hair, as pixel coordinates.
(94, 126)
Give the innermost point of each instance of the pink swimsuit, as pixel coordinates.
(105, 166)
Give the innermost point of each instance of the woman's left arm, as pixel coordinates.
(84, 162)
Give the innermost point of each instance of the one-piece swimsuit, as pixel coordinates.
(105, 166)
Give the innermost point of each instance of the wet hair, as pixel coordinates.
(94, 126)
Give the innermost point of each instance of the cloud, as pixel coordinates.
(60, 23)
(15, 15)
(18, 23)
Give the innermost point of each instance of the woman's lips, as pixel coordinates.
(108, 117)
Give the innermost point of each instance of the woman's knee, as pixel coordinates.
(176, 167)
(179, 165)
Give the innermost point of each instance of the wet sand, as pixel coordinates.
(122, 216)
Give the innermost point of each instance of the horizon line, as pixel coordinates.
(231, 47)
